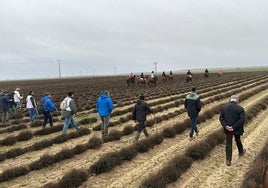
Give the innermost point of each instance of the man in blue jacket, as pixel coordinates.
(49, 107)
(193, 105)
(232, 118)
(105, 107)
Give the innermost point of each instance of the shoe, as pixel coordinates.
(241, 154)
(191, 138)
(197, 133)
(79, 128)
(228, 163)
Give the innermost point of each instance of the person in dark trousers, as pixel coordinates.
(69, 112)
(4, 106)
(232, 118)
(105, 107)
(141, 109)
(49, 107)
(193, 105)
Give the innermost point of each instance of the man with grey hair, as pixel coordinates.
(232, 118)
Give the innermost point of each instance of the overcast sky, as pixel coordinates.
(107, 37)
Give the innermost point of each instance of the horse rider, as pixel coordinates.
(164, 74)
(206, 71)
(189, 74)
(171, 74)
(153, 75)
(142, 76)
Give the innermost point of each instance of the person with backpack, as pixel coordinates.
(4, 105)
(48, 108)
(68, 110)
(105, 107)
(141, 109)
(31, 106)
(193, 105)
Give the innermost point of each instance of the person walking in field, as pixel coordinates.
(105, 107)
(49, 107)
(31, 106)
(17, 98)
(140, 110)
(4, 106)
(68, 110)
(232, 118)
(193, 105)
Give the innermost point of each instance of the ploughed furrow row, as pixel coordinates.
(133, 173)
(71, 143)
(212, 172)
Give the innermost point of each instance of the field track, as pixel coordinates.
(167, 100)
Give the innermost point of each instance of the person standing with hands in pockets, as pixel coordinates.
(105, 107)
(68, 110)
(232, 118)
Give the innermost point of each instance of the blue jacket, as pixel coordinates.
(104, 105)
(49, 106)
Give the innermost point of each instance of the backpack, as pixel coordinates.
(40, 107)
(65, 104)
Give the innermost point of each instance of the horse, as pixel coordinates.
(141, 81)
(131, 81)
(189, 77)
(151, 81)
(170, 78)
(163, 78)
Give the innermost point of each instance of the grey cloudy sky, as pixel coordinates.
(107, 37)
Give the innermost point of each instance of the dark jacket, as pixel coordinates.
(233, 115)
(193, 104)
(104, 105)
(141, 109)
(4, 102)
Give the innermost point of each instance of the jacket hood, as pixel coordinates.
(139, 101)
(104, 96)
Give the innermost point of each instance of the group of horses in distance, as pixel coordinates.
(168, 78)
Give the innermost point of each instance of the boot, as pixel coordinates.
(105, 130)
(145, 132)
(136, 138)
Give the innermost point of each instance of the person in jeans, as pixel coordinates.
(49, 107)
(17, 98)
(140, 110)
(232, 118)
(4, 106)
(31, 106)
(105, 107)
(69, 112)
(193, 105)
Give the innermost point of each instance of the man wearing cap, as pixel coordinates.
(17, 98)
(141, 109)
(105, 107)
(232, 118)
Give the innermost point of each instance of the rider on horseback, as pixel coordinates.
(189, 73)
(142, 76)
(170, 74)
(153, 75)
(164, 74)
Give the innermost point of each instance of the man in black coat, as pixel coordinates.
(141, 109)
(193, 105)
(232, 118)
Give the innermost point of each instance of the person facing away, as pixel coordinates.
(232, 118)
(17, 98)
(188, 72)
(164, 74)
(4, 106)
(105, 107)
(142, 76)
(69, 112)
(131, 76)
(31, 106)
(170, 73)
(206, 71)
(140, 110)
(193, 105)
(49, 107)
(153, 75)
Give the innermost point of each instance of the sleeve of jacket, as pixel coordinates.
(111, 106)
(185, 103)
(222, 119)
(73, 107)
(134, 113)
(199, 105)
(240, 121)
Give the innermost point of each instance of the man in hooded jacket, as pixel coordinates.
(141, 109)
(105, 107)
